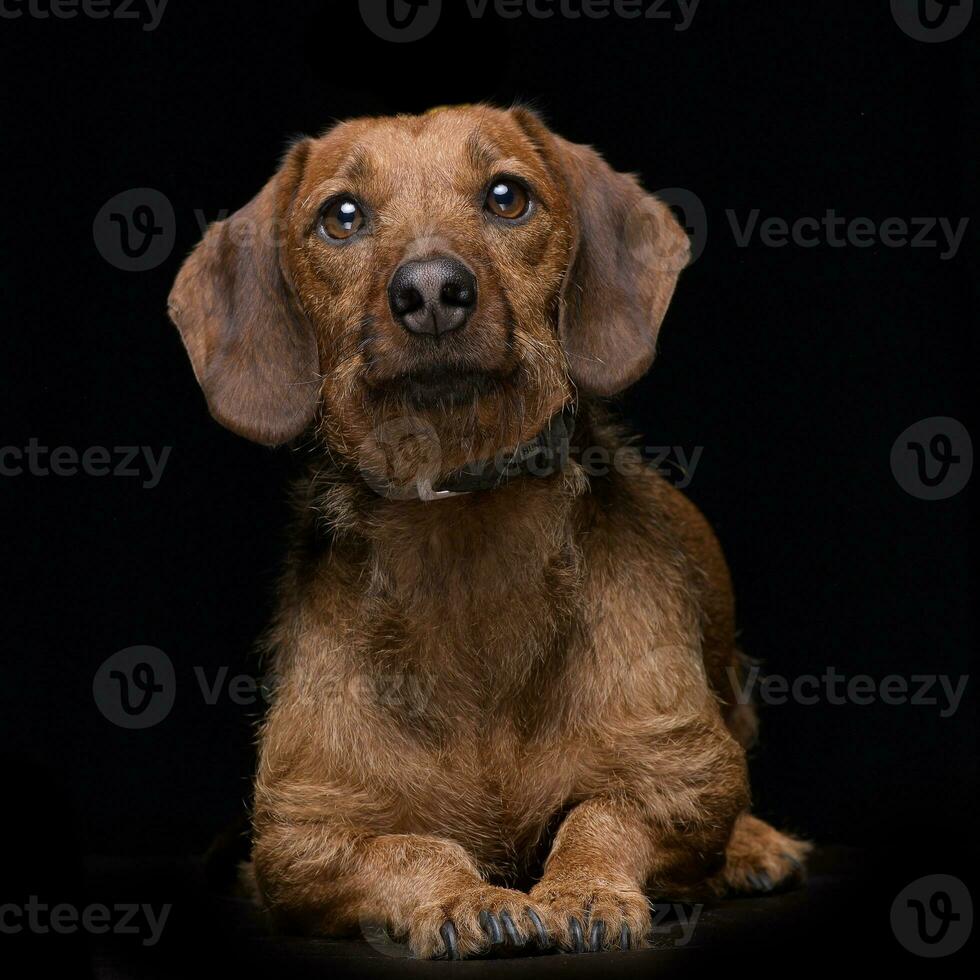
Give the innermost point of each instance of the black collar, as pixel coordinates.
(545, 454)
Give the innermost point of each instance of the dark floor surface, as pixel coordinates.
(837, 923)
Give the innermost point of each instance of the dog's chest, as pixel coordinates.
(463, 626)
(488, 788)
(455, 659)
(475, 708)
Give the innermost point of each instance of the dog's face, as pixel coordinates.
(462, 273)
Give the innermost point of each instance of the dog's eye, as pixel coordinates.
(342, 218)
(507, 199)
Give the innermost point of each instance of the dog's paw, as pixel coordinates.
(477, 920)
(589, 916)
(761, 859)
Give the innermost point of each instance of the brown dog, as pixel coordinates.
(526, 680)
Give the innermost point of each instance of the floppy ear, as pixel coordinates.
(628, 251)
(254, 353)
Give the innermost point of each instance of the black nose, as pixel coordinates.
(432, 297)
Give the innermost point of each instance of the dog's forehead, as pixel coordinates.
(447, 144)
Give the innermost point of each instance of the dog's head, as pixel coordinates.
(466, 269)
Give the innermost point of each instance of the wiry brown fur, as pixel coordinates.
(526, 688)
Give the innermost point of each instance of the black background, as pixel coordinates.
(795, 369)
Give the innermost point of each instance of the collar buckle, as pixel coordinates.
(423, 488)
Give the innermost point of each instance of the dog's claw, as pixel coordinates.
(510, 928)
(795, 862)
(544, 940)
(596, 934)
(491, 926)
(449, 937)
(624, 936)
(578, 940)
(761, 882)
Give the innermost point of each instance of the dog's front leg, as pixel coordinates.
(667, 830)
(323, 878)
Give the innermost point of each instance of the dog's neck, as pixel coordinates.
(546, 453)
(494, 567)
(434, 547)
(342, 501)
